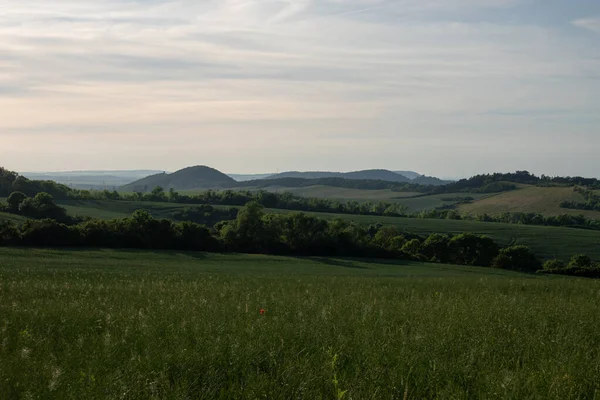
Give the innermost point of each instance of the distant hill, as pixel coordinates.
(409, 174)
(91, 179)
(430, 180)
(199, 177)
(248, 177)
(371, 174)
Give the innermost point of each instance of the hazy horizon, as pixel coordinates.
(447, 88)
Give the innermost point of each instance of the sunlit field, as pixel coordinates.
(121, 324)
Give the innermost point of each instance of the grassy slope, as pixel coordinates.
(414, 201)
(542, 200)
(330, 192)
(12, 217)
(120, 324)
(547, 242)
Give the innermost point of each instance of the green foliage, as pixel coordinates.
(554, 264)
(15, 200)
(471, 249)
(518, 258)
(12, 182)
(580, 260)
(580, 265)
(41, 206)
(592, 202)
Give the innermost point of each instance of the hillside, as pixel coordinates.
(409, 174)
(371, 174)
(198, 177)
(248, 177)
(430, 180)
(534, 199)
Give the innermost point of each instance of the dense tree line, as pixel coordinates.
(205, 214)
(563, 220)
(254, 231)
(580, 265)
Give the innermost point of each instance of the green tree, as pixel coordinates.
(580, 260)
(14, 201)
(412, 247)
(471, 249)
(436, 246)
(519, 258)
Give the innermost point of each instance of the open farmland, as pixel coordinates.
(546, 242)
(339, 193)
(121, 324)
(529, 199)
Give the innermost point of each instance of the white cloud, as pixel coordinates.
(264, 73)
(592, 24)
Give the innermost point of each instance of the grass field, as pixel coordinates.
(546, 242)
(542, 200)
(414, 201)
(132, 325)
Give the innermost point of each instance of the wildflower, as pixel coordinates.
(262, 311)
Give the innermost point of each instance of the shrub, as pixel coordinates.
(518, 258)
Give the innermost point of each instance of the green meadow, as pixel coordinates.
(78, 324)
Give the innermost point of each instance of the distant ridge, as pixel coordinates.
(198, 177)
(371, 174)
(409, 174)
(248, 177)
(430, 180)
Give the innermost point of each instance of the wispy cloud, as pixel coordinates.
(592, 24)
(263, 74)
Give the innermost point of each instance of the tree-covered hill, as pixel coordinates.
(12, 182)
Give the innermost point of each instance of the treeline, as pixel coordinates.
(253, 231)
(288, 201)
(563, 220)
(38, 207)
(205, 214)
(12, 182)
(580, 265)
(592, 200)
(284, 201)
(497, 182)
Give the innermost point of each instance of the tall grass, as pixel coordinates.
(109, 324)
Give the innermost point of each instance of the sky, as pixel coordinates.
(448, 88)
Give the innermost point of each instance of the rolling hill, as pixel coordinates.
(529, 199)
(430, 180)
(198, 177)
(371, 174)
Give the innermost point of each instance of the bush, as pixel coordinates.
(518, 258)
(554, 265)
(580, 260)
(48, 232)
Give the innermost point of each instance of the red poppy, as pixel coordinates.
(262, 311)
